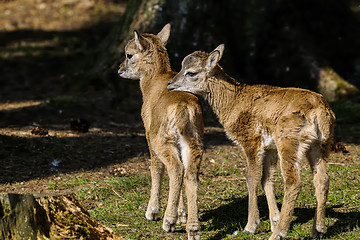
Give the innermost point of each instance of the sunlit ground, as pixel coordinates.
(19, 105)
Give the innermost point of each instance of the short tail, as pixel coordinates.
(189, 122)
(325, 120)
(326, 123)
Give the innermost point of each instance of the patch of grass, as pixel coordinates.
(225, 167)
(69, 183)
(120, 203)
(222, 170)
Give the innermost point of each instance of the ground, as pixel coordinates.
(46, 49)
(42, 44)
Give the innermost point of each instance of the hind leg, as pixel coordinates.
(191, 181)
(169, 155)
(157, 172)
(253, 179)
(191, 153)
(290, 169)
(267, 181)
(181, 210)
(321, 183)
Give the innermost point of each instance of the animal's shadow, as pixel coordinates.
(232, 217)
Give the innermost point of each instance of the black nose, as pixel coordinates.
(170, 88)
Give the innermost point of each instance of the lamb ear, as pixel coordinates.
(215, 57)
(212, 60)
(140, 42)
(164, 34)
(220, 48)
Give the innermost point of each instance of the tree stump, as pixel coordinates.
(48, 216)
(333, 87)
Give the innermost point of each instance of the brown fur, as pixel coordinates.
(270, 124)
(174, 129)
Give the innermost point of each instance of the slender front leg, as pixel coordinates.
(157, 172)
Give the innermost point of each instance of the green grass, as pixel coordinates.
(72, 183)
(120, 203)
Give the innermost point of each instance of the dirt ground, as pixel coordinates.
(43, 46)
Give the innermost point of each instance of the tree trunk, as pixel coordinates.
(49, 216)
(266, 42)
(139, 15)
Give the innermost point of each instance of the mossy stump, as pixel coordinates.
(333, 87)
(48, 216)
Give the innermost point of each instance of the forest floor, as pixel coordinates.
(46, 49)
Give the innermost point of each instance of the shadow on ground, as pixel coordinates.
(232, 217)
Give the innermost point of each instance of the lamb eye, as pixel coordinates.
(128, 56)
(191, 74)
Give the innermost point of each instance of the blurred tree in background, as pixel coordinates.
(308, 44)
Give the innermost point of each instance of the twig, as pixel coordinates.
(229, 179)
(116, 193)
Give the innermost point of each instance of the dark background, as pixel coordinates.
(59, 62)
(279, 42)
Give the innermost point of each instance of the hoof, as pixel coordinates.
(169, 225)
(277, 236)
(315, 234)
(251, 228)
(181, 216)
(152, 215)
(193, 230)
